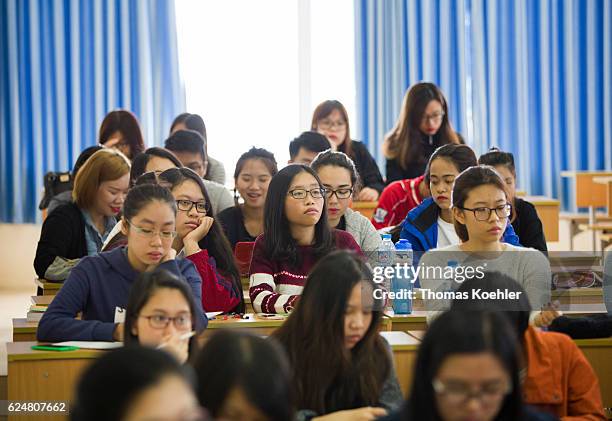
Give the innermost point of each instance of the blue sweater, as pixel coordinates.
(421, 228)
(96, 286)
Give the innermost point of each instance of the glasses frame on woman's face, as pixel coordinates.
(186, 206)
(301, 194)
(149, 233)
(483, 214)
(163, 321)
(460, 395)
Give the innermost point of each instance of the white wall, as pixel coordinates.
(17, 250)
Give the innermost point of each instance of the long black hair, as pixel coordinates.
(114, 381)
(147, 284)
(279, 244)
(327, 376)
(258, 366)
(215, 241)
(464, 332)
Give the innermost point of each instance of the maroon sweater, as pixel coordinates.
(275, 286)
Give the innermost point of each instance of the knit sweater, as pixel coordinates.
(275, 286)
(362, 231)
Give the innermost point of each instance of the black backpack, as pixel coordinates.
(55, 183)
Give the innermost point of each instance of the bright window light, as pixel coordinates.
(239, 61)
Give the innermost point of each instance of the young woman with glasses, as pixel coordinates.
(98, 287)
(200, 239)
(331, 119)
(423, 126)
(296, 235)
(161, 314)
(481, 213)
(341, 181)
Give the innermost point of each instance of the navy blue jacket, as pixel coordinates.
(421, 228)
(96, 286)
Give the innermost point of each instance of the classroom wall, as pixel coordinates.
(17, 249)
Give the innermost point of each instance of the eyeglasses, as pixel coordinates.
(434, 118)
(149, 233)
(328, 124)
(457, 394)
(483, 214)
(159, 321)
(302, 193)
(187, 205)
(343, 193)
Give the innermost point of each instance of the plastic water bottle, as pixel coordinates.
(402, 281)
(385, 258)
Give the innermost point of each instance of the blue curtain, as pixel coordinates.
(531, 77)
(65, 64)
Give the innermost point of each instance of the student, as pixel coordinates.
(160, 311)
(200, 239)
(120, 130)
(342, 367)
(215, 171)
(524, 219)
(430, 225)
(134, 384)
(242, 376)
(481, 211)
(467, 367)
(296, 235)
(79, 228)
(331, 119)
(304, 148)
(66, 196)
(155, 160)
(98, 287)
(190, 148)
(397, 199)
(339, 177)
(254, 170)
(423, 126)
(556, 376)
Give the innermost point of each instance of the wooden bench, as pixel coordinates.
(48, 288)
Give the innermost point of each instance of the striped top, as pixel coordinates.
(275, 286)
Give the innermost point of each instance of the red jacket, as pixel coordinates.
(559, 378)
(396, 200)
(218, 292)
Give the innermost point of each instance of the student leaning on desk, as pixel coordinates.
(99, 285)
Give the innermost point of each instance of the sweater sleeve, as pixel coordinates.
(184, 269)
(367, 167)
(262, 288)
(583, 394)
(224, 199)
(536, 277)
(59, 323)
(54, 242)
(218, 292)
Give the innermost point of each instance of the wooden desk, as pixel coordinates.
(365, 208)
(48, 288)
(606, 181)
(24, 330)
(578, 296)
(577, 219)
(41, 300)
(405, 322)
(548, 211)
(404, 349)
(44, 375)
(589, 194)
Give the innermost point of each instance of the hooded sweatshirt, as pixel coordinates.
(99, 287)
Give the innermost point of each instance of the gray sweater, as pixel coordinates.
(362, 231)
(529, 267)
(216, 171)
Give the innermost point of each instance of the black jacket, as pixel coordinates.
(232, 222)
(366, 167)
(528, 226)
(63, 235)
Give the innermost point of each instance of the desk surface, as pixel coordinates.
(541, 200)
(42, 300)
(593, 173)
(22, 351)
(22, 325)
(44, 284)
(401, 341)
(364, 205)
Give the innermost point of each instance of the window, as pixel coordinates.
(240, 62)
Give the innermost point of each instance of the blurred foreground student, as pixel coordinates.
(135, 384)
(342, 367)
(243, 377)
